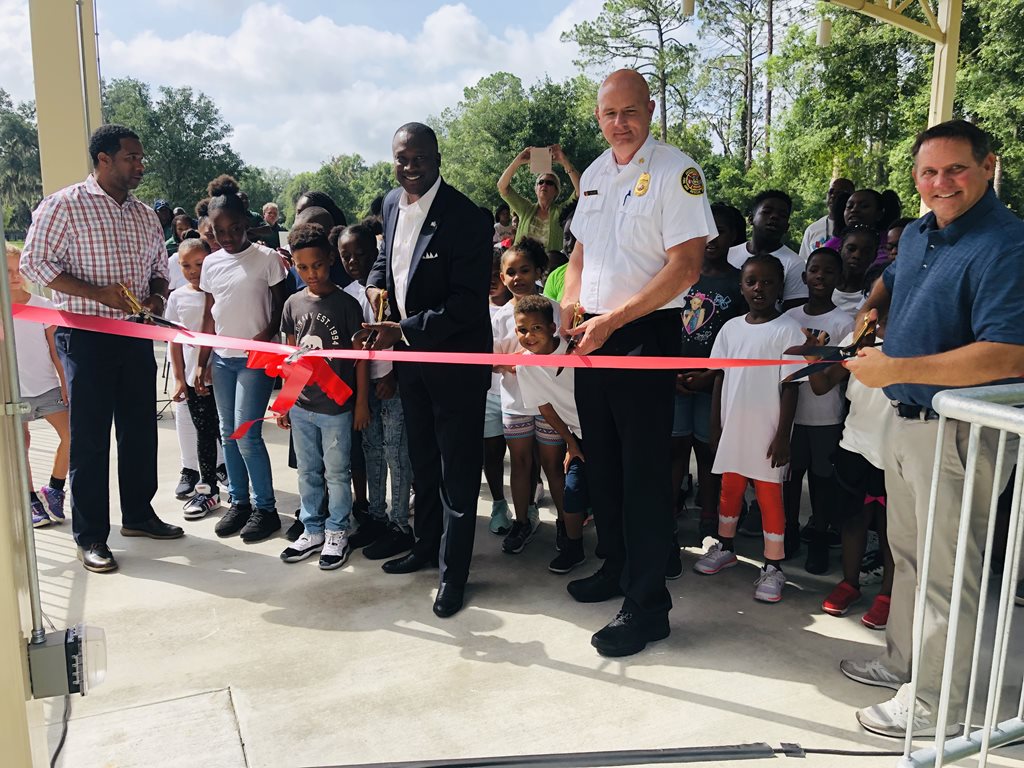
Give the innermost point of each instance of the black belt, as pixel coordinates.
(915, 412)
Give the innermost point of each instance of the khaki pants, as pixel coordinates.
(908, 474)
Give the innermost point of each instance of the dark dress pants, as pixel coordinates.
(444, 418)
(111, 380)
(626, 419)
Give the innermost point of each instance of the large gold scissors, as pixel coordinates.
(142, 314)
(365, 337)
(577, 318)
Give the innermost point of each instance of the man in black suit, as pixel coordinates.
(435, 264)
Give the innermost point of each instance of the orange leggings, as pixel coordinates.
(773, 513)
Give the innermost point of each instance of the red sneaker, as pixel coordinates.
(840, 599)
(878, 615)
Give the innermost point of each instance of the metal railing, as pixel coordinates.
(993, 407)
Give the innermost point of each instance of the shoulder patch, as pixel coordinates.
(692, 182)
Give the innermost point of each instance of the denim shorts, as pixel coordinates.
(517, 426)
(492, 417)
(693, 416)
(43, 405)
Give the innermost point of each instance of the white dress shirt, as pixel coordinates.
(629, 216)
(411, 216)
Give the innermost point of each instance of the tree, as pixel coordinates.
(645, 34)
(183, 135)
(497, 118)
(263, 185)
(21, 184)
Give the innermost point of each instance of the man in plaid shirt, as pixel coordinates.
(88, 243)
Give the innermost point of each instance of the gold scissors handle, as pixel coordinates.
(135, 304)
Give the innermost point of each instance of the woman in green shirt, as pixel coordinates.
(539, 220)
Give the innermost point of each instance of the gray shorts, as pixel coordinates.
(43, 405)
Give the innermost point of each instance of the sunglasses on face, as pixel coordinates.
(546, 182)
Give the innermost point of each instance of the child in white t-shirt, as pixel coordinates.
(553, 395)
(521, 268)
(185, 306)
(819, 418)
(861, 485)
(45, 392)
(244, 286)
(751, 420)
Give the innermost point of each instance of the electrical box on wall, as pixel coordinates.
(73, 660)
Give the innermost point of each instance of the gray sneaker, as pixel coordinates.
(871, 672)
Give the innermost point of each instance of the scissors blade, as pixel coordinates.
(807, 370)
(816, 350)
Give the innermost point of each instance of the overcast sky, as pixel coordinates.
(301, 81)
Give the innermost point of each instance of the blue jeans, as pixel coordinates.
(242, 395)
(386, 448)
(323, 443)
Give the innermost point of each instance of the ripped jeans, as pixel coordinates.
(323, 448)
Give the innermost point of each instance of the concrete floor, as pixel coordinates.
(220, 655)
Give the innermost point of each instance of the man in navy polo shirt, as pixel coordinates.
(955, 319)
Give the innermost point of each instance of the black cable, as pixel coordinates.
(67, 711)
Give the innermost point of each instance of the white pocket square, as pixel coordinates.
(430, 255)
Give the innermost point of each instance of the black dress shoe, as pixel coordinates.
(154, 528)
(449, 599)
(410, 563)
(627, 634)
(97, 558)
(603, 585)
(394, 542)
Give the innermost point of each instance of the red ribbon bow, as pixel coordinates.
(297, 374)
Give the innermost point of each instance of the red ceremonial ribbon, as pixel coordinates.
(273, 357)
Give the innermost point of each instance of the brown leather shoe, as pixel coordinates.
(154, 528)
(97, 558)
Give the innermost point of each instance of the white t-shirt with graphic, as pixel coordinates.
(821, 410)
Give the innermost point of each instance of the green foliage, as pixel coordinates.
(20, 180)
(497, 119)
(183, 135)
(350, 182)
(646, 35)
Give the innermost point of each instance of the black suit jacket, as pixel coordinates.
(449, 278)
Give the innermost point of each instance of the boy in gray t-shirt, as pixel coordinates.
(322, 316)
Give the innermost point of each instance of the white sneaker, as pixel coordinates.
(336, 550)
(303, 547)
(890, 718)
(769, 584)
(715, 560)
(534, 516)
(202, 504)
(871, 672)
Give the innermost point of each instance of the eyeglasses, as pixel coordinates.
(547, 182)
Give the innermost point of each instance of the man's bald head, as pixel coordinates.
(626, 79)
(624, 111)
